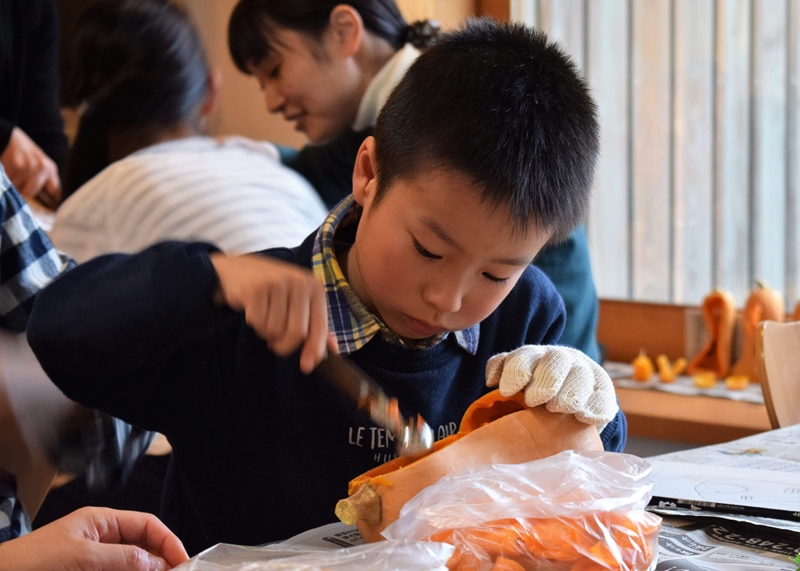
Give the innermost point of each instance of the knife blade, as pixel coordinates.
(362, 390)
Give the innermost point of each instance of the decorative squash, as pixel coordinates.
(494, 429)
(719, 317)
(737, 383)
(704, 380)
(667, 372)
(764, 304)
(642, 367)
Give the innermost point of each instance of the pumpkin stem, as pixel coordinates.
(364, 505)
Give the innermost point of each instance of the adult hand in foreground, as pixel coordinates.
(96, 539)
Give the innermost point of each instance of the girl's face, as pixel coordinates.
(314, 83)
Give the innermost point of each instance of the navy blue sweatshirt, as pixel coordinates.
(260, 451)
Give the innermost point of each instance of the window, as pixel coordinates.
(698, 183)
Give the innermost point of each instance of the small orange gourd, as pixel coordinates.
(719, 317)
(668, 372)
(764, 304)
(704, 380)
(737, 383)
(642, 367)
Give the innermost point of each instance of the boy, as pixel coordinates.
(482, 155)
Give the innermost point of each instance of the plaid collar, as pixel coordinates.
(348, 318)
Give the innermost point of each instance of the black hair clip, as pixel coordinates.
(423, 33)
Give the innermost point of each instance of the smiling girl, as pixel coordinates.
(328, 67)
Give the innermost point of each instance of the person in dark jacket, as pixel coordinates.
(32, 140)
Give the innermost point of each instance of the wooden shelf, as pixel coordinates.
(625, 327)
(691, 419)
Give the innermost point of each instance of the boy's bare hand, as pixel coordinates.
(283, 303)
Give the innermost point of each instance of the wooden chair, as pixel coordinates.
(778, 356)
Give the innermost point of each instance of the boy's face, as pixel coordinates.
(429, 257)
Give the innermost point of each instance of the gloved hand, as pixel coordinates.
(564, 378)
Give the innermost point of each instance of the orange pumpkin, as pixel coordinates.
(764, 304)
(604, 540)
(494, 430)
(504, 564)
(668, 372)
(719, 317)
(642, 367)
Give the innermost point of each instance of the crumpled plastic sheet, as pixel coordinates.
(575, 510)
(396, 555)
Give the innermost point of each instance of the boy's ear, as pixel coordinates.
(214, 82)
(365, 173)
(347, 28)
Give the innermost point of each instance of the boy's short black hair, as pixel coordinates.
(504, 106)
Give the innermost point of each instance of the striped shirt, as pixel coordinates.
(348, 318)
(232, 193)
(28, 260)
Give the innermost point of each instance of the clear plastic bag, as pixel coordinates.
(399, 555)
(575, 510)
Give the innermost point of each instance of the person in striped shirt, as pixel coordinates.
(140, 171)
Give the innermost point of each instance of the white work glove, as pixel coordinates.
(564, 378)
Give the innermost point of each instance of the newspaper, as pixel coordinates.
(767, 522)
(745, 491)
(703, 545)
(759, 456)
(775, 450)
